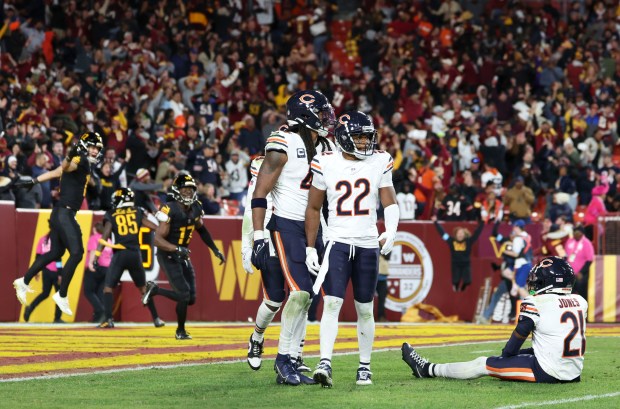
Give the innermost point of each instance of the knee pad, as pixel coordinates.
(365, 310)
(272, 305)
(332, 305)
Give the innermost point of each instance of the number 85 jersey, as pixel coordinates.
(558, 338)
(352, 191)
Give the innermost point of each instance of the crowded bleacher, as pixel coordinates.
(507, 108)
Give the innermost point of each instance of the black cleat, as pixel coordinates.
(150, 287)
(59, 321)
(182, 335)
(158, 322)
(418, 365)
(107, 324)
(300, 366)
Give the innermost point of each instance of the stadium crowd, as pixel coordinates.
(490, 109)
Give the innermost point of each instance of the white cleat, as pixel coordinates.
(21, 288)
(62, 303)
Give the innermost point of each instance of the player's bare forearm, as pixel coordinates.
(387, 195)
(269, 173)
(107, 232)
(52, 174)
(313, 214)
(160, 238)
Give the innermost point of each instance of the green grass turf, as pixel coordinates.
(236, 386)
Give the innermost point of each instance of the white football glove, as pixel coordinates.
(246, 257)
(389, 237)
(312, 261)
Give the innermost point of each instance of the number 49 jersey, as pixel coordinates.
(352, 189)
(290, 193)
(559, 334)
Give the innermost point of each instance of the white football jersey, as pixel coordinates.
(237, 175)
(247, 230)
(352, 189)
(290, 193)
(559, 334)
(406, 205)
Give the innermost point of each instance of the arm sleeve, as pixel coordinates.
(524, 327)
(386, 178)
(206, 237)
(318, 179)
(477, 232)
(277, 142)
(441, 231)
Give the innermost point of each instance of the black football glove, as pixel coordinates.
(182, 252)
(74, 151)
(26, 182)
(260, 253)
(219, 255)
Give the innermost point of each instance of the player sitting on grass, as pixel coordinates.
(555, 317)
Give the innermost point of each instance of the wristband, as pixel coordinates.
(35, 181)
(259, 235)
(97, 253)
(259, 202)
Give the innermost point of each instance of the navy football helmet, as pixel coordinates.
(351, 127)
(87, 140)
(311, 109)
(180, 182)
(551, 275)
(123, 197)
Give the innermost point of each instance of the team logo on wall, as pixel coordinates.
(411, 272)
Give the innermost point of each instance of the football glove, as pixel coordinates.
(74, 151)
(312, 261)
(219, 255)
(183, 252)
(26, 182)
(389, 237)
(246, 257)
(260, 253)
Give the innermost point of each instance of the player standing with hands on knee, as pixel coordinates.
(353, 179)
(285, 173)
(65, 234)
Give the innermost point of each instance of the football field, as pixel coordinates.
(134, 365)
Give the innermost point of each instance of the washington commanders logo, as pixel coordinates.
(411, 272)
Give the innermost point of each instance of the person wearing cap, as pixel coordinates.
(144, 189)
(518, 200)
(580, 254)
(205, 168)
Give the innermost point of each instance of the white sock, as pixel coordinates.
(329, 325)
(365, 330)
(293, 312)
(461, 370)
(297, 343)
(264, 316)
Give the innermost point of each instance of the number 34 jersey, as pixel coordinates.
(559, 334)
(352, 189)
(126, 222)
(290, 193)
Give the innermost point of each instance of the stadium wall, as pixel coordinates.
(419, 272)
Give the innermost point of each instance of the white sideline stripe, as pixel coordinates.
(233, 361)
(561, 401)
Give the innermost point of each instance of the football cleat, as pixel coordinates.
(150, 286)
(286, 372)
(323, 374)
(364, 376)
(107, 324)
(158, 322)
(59, 321)
(182, 335)
(255, 353)
(62, 303)
(21, 288)
(418, 365)
(300, 366)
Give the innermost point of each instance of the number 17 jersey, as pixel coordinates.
(352, 190)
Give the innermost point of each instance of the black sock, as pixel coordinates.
(181, 315)
(152, 308)
(108, 301)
